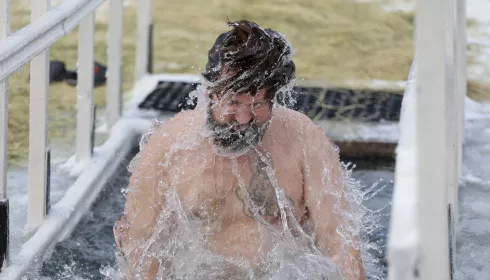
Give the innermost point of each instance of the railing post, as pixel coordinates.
(4, 97)
(433, 177)
(461, 75)
(85, 85)
(143, 45)
(38, 128)
(114, 54)
(452, 128)
(403, 238)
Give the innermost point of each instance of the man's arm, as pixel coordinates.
(143, 206)
(327, 205)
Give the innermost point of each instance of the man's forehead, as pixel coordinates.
(248, 97)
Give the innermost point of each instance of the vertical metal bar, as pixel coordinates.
(92, 133)
(452, 241)
(4, 233)
(461, 78)
(431, 139)
(451, 134)
(114, 54)
(150, 49)
(48, 180)
(143, 40)
(85, 85)
(4, 101)
(457, 45)
(403, 238)
(38, 128)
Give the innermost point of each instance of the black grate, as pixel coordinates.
(317, 103)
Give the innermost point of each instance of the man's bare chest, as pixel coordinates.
(250, 187)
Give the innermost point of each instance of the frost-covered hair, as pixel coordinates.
(247, 59)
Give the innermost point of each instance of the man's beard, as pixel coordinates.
(229, 141)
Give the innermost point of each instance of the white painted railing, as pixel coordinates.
(114, 54)
(38, 127)
(19, 48)
(425, 202)
(404, 234)
(4, 86)
(144, 47)
(31, 44)
(85, 85)
(4, 97)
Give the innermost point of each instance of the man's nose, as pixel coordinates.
(243, 116)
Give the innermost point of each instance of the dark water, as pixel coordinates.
(91, 246)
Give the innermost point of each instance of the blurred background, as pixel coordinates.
(334, 41)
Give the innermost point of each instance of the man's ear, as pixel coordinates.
(210, 95)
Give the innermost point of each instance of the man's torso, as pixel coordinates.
(239, 199)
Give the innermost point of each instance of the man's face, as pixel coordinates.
(238, 122)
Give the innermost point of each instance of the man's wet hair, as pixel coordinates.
(247, 59)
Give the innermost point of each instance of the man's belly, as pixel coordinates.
(246, 239)
(232, 230)
(243, 247)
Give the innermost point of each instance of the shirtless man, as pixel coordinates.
(240, 187)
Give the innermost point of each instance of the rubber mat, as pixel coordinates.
(318, 103)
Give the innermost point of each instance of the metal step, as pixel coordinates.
(336, 104)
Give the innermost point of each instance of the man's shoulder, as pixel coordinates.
(302, 130)
(167, 131)
(182, 122)
(296, 122)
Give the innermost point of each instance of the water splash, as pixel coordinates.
(180, 241)
(195, 214)
(77, 267)
(244, 216)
